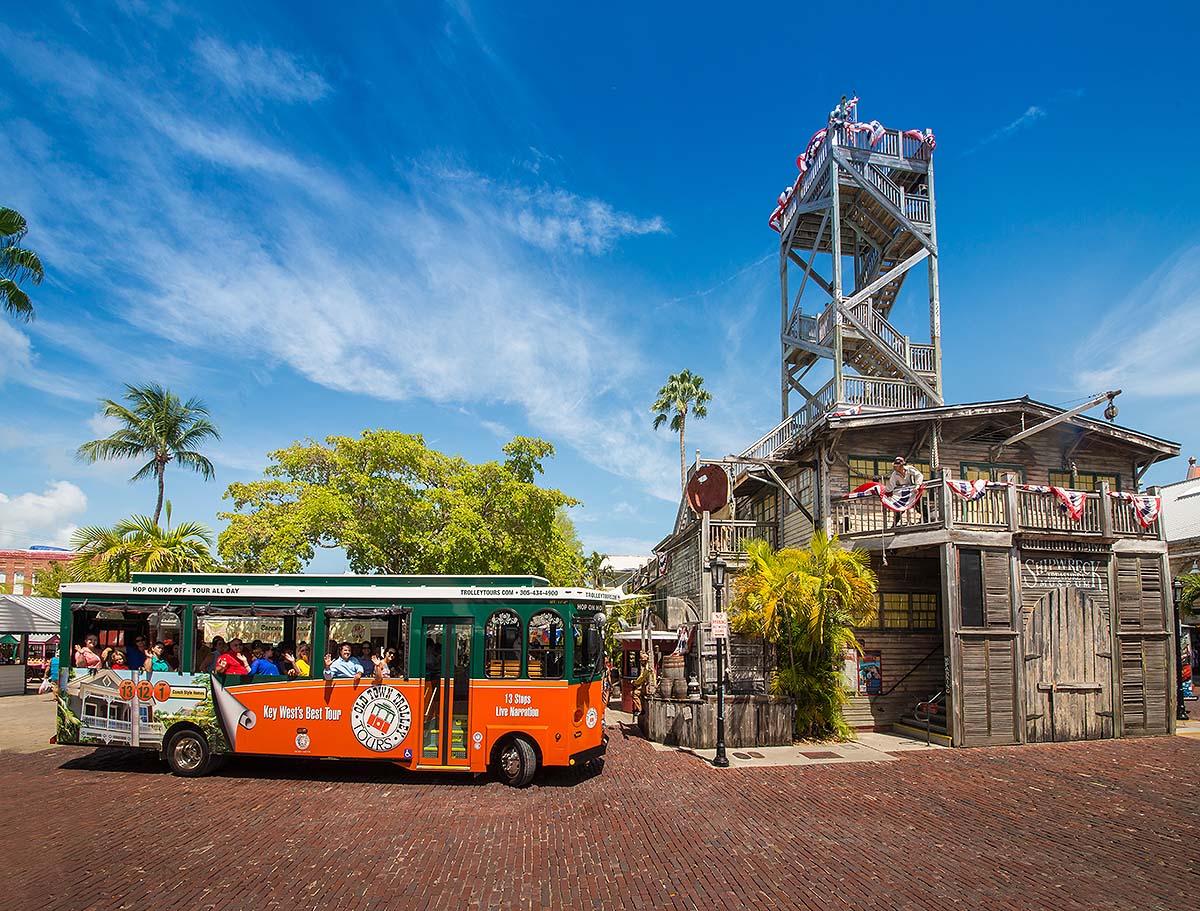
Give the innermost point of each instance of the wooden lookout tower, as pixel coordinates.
(858, 223)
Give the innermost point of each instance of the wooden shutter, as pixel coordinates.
(1144, 646)
(997, 589)
(988, 691)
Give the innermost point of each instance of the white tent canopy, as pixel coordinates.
(26, 614)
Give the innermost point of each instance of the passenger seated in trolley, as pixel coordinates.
(345, 666)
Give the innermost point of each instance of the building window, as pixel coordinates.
(970, 587)
(1084, 480)
(801, 486)
(991, 471)
(763, 510)
(915, 610)
(502, 645)
(18, 584)
(864, 469)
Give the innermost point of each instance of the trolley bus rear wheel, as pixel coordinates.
(188, 755)
(517, 762)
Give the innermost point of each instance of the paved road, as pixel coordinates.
(1072, 826)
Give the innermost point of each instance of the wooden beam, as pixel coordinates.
(808, 267)
(896, 271)
(811, 347)
(821, 283)
(1057, 419)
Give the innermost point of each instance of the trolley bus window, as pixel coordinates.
(502, 645)
(547, 646)
(589, 646)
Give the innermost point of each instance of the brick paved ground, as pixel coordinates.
(1072, 826)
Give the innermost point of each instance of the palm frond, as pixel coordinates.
(16, 301)
(12, 225)
(21, 265)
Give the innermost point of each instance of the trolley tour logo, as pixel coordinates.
(380, 718)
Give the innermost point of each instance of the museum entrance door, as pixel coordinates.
(1068, 667)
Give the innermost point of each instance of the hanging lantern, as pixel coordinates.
(1111, 411)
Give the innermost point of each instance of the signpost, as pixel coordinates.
(720, 632)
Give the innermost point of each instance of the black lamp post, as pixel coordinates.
(717, 569)
(1181, 712)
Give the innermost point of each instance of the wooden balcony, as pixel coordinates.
(1002, 508)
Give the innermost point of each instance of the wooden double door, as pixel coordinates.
(1068, 667)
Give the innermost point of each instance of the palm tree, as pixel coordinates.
(808, 603)
(139, 544)
(17, 264)
(593, 570)
(158, 424)
(683, 392)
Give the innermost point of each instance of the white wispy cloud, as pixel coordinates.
(446, 285)
(1032, 115)
(41, 518)
(1148, 344)
(261, 72)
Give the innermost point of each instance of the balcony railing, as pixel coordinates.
(814, 182)
(728, 537)
(1003, 507)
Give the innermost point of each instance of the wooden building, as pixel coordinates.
(1024, 622)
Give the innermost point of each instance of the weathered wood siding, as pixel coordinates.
(900, 654)
(901, 651)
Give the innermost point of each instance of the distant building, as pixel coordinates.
(1181, 526)
(18, 568)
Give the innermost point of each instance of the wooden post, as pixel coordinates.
(1018, 624)
(935, 305)
(785, 386)
(947, 501)
(835, 247)
(951, 644)
(706, 588)
(1012, 508)
(1106, 513)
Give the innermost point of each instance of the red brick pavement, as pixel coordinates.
(1071, 826)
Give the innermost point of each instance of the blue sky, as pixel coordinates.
(473, 221)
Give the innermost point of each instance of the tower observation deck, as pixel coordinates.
(857, 224)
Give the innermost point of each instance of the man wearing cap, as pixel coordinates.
(903, 475)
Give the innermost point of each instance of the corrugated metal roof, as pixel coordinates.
(26, 614)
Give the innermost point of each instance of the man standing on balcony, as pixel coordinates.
(903, 475)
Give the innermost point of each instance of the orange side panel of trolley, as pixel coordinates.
(338, 718)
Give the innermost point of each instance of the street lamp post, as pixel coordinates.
(1181, 712)
(721, 761)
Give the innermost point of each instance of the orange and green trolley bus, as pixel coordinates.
(490, 673)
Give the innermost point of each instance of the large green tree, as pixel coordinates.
(683, 394)
(807, 603)
(155, 422)
(139, 544)
(396, 506)
(17, 264)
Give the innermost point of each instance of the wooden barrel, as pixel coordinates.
(672, 667)
(679, 688)
(664, 687)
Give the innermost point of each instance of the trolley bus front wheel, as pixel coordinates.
(516, 762)
(188, 755)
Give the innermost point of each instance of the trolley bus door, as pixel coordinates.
(444, 735)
